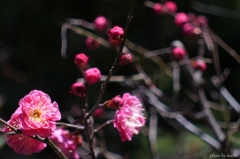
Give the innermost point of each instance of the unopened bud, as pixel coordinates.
(116, 35)
(125, 59)
(78, 89)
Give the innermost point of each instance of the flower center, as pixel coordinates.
(35, 114)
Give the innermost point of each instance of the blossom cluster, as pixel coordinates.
(129, 117)
(35, 116)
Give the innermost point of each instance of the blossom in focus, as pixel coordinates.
(81, 60)
(38, 114)
(78, 89)
(92, 75)
(116, 35)
(20, 143)
(129, 118)
(100, 23)
(61, 138)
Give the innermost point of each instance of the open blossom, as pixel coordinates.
(39, 114)
(130, 118)
(63, 141)
(20, 143)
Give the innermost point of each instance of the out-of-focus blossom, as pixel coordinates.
(98, 113)
(178, 53)
(201, 20)
(78, 89)
(129, 118)
(190, 30)
(199, 64)
(158, 8)
(100, 23)
(61, 138)
(92, 75)
(180, 19)
(81, 60)
(20, 143)
(171, 6)
(91, 43)
(116, 35)
(39, 114)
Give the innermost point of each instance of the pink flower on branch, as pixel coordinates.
(63, 141)
(130, 118)
(78, 89)
(81, 60)
(116, 35)
(92, 75)
(39, 114)
(20, 143)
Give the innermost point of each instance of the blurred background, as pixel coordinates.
(30, 47)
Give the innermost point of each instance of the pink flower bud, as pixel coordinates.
(180, 19)
(77, 139)
(92, 75)
(78, 89)
(91, 44)
(100, 23)
(125, 59)
(199, 64)
(201, 20)
(129, 118)
(158, 8)
(61, 138)
(98, 113)
(170, 6)
(178, 53)
(115, 103)
(81, 60)
(191, 16)
(190, 30)
(116, 35)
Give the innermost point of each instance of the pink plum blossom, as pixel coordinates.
(63, 141)
(39, 114)
(130, 118)
(20, 143)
